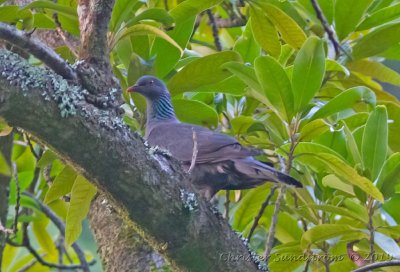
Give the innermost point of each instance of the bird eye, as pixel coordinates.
(151, 82)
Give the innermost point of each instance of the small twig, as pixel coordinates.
(61, 227)
(261, 211)
(327, 27)
(214, 28)
(371, 229)
(31, 147)
(194, 153)
(18, 199)
(5, 230)
(271, 234)
(377, 265)
(38, 49)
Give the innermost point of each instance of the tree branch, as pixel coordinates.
(144, 186)
(370, 267)
(327, 27)
(38, 49)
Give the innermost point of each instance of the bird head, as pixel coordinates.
(149, 86)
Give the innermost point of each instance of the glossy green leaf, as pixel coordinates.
(324, 232)
(334, 182)
(46, 242)
(352, 146)
(339, 211)
(47, 158)
(156, 14)
(346, 173)
(376, 70)
(264, 32)
(191, 8)
(66, 10)
(308, 72)
(331, 65)
(380, 17)
(394, 125)
(204, 71)
(81, 196)
(246, 45)
(43, 21)
(290, 31)
(195, 112)
(375, 141)
(346, 100)
(123, 10)
(244, 72)
(387, 35)
(389, 177)
(313, 129)
(181, 34)
(276, 85)
(9, 14)
(62, 185)
(348, 14)
(143, 30)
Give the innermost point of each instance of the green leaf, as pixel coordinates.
(375, 141)
(338, 167)
(346, 100)
(191, 8)
(47, 158)
(181, 34)
(4, 167)
(5, 129)
(123, 10)
(348, 14)
(62, 185)
(376, 70)
(324, 232)
(241, 124)
(308, 72)
(389, 176)
(352, 146)
(334, 182)
(52, 6)
(290, 31)
(264, 32)
(246, 45)
(43, 21)
(394, 126)
(143, 30)
(380, 17)
(195, 112)
(204, 71)
(81, 196)
(9, 14)
(39, 226)
(276, 85)
(387, 35)
(331, 65)
(245, 73)
(339, 211)
(156, 14)
(313, 129)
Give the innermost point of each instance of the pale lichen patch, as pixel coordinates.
(189, 200)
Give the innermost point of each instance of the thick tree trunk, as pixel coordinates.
(5, 149)
(149, 190)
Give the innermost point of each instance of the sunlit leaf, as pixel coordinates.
(62, 184)
(81, 196)
(191, 8)
(389, 177)
(380, 17)
(195, 112)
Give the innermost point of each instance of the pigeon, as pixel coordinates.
(220, 162)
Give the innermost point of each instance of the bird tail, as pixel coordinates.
(260, 173)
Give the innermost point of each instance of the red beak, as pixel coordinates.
(133, 89)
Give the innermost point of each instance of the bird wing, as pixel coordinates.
(177, 138)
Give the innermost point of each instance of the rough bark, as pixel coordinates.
(94, 16)
(148, 189)
(5, 149)
(126, 250)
